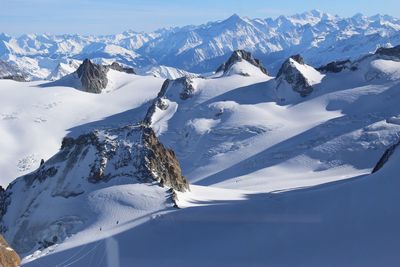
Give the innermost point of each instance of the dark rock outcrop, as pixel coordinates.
(187, 85)
(134, 151)
(119, 67)
(8, 257)
(294, 77)
(335, 66)
(93, 77)
(238, 56)
(182, 87)
(4, 202)
(393, 52)
(386, 156)
(17, 78)
(156, 103)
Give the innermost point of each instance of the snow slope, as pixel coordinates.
(34, 119)
(166, 72)
(245, 152)
(235, 134)
(348, 223)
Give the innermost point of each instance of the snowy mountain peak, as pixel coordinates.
(85, 165)
(235, 18)
(232, 66)
(298, 76)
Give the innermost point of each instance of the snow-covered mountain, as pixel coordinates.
(242, 137)
(242, 131)
(7, 71)
(319, 37)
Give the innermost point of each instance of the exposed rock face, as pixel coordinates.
(388, 153)
(238, 56)
(157, 103)
(93, 77)
(131, 154)
(393, 52)
(132, 151)
(188, 89)
(8, 257)
(336, 66)
(163, 164)
(294, 77)
(177, 90)
(119, 67)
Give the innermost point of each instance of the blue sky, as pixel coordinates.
(103, 16)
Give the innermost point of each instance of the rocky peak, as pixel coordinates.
(291, 74)
(93, 77)
(238, 56)
(118, 67)
(130, 154)
(131, 151)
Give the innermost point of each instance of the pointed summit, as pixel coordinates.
(93, 77)
(240, 56)
(234, 17)
(295, 74)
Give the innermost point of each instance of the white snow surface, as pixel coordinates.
(34, 119)
(272, 183)
(166, 72)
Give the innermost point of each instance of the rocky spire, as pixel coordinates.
(240, 55)
(93, 77)
(294, 77)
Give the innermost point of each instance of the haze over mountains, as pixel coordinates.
(318, 36)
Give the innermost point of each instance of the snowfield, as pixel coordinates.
(34, 119)
(273, 182)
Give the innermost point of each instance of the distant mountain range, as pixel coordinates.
(318, 36)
